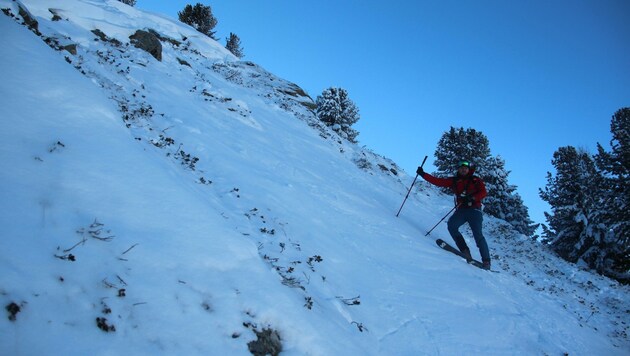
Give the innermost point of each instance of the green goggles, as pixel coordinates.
(464, 164)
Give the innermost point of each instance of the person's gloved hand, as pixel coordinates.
(420, 171)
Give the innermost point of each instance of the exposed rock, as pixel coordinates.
(183, 62)
(100, 34)
(29, 20)
(72, 48)
(55, 14)
(163, 38)
(149, 42)
(13, 309)
(268, 343)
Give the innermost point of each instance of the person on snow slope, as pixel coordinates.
(469, 191)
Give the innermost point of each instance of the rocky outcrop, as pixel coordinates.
(27, 18)
(149, 42)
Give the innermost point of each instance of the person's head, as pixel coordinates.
(463, 168)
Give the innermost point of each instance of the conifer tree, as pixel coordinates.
(614, 260)
(336, 110)
(200, 17)
(589, 198)
(502, 201)
(574, 196)
(497, 203)
(129, 2)
(459, 144)
(518, 216)
(233, 44)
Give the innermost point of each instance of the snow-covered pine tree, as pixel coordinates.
(129, 2)
(335, 109)
(502, 201)
(613, 259)
(233, 44)
(518, 216)
(460, 144)
(200, 17)
(495, 176)
(574, 193)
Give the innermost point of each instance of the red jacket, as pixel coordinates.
(468, 185)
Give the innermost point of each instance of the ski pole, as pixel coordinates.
(447, 214)
(414, 182)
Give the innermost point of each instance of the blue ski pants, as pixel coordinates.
(474, 218)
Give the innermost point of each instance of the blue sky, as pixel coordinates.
(533, 76)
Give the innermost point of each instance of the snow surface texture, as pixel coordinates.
(193, 204)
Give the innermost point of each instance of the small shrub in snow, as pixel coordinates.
(309, 303)
(162, 141)
(68, 257)
(312, 259)
(101, 323)
(363, 163)
(350, 301)
(359, 326)
(56, 146)
(264, 230)
(128, 2)
(186, 159)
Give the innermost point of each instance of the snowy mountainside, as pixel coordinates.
(194, 204)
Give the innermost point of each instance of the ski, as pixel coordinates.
(445, 246)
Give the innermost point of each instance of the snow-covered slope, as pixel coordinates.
(195, 205)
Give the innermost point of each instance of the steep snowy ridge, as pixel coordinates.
(195, 205)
